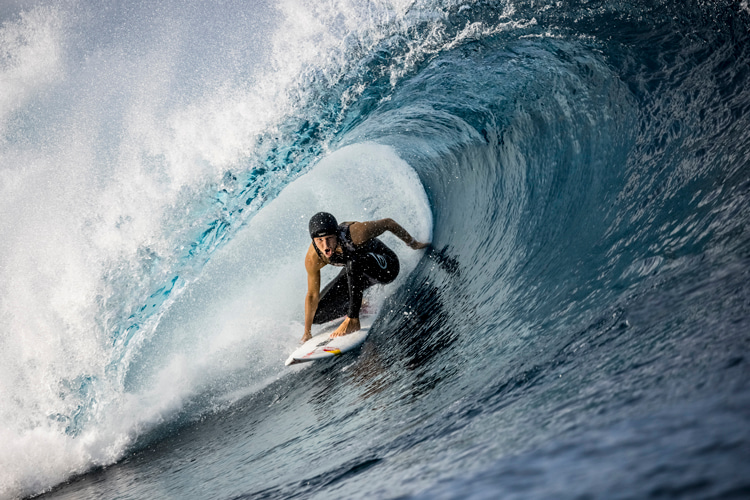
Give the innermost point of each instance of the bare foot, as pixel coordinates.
(350, 325)
(306, 337)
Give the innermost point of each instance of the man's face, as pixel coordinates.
(326, 244)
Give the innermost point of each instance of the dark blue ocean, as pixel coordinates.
(579, 327)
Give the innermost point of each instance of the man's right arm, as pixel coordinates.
(313, 267)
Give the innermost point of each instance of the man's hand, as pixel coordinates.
(350, 325)
(417, 245)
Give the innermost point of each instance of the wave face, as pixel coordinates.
(578, 327)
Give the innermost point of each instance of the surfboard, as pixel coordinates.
(323, 346)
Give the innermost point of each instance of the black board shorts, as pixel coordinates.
(376, 264)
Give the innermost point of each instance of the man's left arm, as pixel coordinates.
(362, 232)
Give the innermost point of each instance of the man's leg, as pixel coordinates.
(334, 300)
(378, 265)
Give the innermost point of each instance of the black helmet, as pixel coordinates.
(323, 224)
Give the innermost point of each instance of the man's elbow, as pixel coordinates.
(388, 225)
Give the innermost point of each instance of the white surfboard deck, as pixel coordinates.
(323, 346)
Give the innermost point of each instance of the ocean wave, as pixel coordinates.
(579, 167)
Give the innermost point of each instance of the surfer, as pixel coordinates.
(366, 261)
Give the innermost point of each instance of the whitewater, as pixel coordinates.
(578, 327)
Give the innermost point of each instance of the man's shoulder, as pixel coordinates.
(362, 232)
(313, 262)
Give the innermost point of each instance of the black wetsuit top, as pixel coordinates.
(364, 266)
